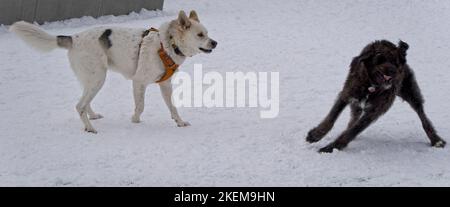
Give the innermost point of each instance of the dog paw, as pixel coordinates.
(135, 120)
(95, 117)
(331, 147)
(327, 149)
(314, 136)
(183, 124)
(90, 130)
(439, 144)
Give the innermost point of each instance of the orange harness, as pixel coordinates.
(170, 65)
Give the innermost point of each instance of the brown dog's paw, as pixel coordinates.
(334, 145)
(439, 144)
(314, 135)
(327, 149)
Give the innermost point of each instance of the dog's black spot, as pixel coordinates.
(64, 41)
(104, 39)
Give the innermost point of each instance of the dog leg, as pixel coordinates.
(166, 91)
(356, 112)
(82, 107)
(92, 114)
(435, 139)
(350, 133)
(410, 92)
(325, 126)
(139, 101)
(91, 72)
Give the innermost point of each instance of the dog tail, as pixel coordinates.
(38, 38)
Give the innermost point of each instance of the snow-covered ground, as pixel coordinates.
(310, 43)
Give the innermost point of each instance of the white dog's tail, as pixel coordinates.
(38, 38)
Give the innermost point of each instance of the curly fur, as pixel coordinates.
(376, 77)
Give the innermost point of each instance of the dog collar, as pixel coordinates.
(167, 61)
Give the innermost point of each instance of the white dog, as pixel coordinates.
(144, 56)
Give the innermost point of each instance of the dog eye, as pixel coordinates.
(201, 35)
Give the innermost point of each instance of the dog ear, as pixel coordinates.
(402, 47)
(360, 65)
(184, 20)
(366, 59)
(193, 15)
(364, 63)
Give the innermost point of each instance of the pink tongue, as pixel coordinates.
(386, 77)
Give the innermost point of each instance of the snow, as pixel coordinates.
(310, 43)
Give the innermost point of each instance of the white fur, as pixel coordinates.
(440, 143)
(90, 60)
(34, 36)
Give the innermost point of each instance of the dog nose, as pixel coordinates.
(213, 44)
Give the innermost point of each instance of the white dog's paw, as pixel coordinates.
(183, 124)
(135, 119)
(90, 130)
(95, 116)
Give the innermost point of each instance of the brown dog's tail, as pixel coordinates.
(38, 38)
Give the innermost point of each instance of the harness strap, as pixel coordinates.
(170, 65)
